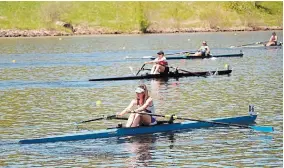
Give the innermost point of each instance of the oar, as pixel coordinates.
(131, 69)
(194, 74)
(249, 44)
(182, 52)
(187, 71)
(256, 128)
(150, 56)
(140, 69)
(99, 118)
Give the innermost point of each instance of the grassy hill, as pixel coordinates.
(139, 16)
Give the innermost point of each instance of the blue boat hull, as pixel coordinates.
(120, 132)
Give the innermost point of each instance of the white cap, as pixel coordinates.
(139, 90)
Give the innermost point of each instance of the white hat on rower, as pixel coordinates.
(139, 90)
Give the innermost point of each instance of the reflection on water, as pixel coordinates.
(44, 90)
(157, 87)
(141, 148)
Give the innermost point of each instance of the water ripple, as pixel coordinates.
(45, 91)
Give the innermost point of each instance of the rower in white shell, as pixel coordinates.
(160, 64)
(204, 50)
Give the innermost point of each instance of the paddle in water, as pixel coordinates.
(131, 69)
(256, 128)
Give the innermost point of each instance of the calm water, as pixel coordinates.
(44, 90)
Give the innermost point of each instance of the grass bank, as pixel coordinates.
(135, 17)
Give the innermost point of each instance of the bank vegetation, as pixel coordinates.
(27, 18)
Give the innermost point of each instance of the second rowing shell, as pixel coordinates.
(202, 57)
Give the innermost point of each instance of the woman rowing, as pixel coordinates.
(204, 50)
(160, 63)
(143, 104)
(272, 41)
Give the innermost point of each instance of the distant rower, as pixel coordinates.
(160, 64)
(273, 40)
(203, 50)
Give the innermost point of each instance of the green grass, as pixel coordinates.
(128, 16)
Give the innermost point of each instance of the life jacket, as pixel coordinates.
(164, 63)
(273, 38)
(203, 48)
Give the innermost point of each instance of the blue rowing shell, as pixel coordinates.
(121, 132)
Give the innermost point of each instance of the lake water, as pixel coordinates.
(44, 90)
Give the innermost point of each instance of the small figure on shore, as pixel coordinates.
(144, 105)
(204, 50)
(273, 40)
(160, 64)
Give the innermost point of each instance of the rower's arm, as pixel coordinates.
(149, 62)
(155, 61)
(127, 109)
(145, 105)
(200, 48)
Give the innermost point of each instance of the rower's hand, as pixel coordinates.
(118, 114)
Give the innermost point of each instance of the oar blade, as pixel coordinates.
(148, 57)
(262, 128)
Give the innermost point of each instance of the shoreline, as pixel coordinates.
(79, 32)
